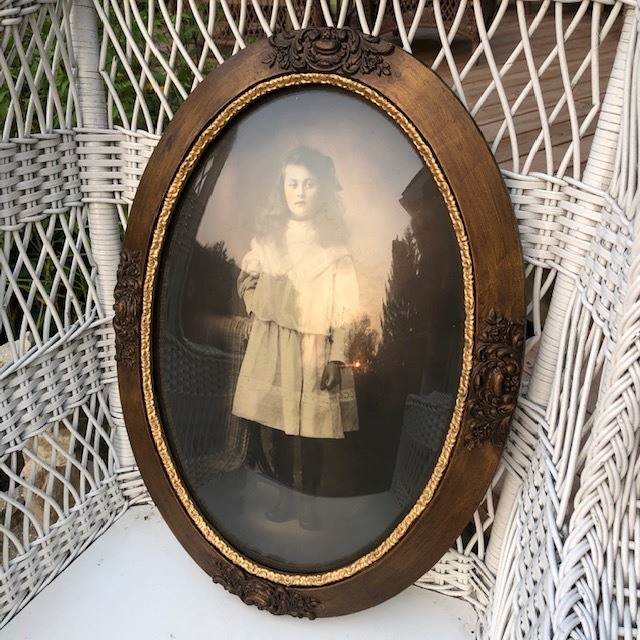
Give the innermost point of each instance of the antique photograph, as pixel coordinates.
(310, 329)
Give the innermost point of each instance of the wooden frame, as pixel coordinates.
(373, 76)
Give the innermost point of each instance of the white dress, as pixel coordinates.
(303, 298)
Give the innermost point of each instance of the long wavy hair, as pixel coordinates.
(329, 217)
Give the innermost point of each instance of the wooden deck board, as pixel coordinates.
(490, 115)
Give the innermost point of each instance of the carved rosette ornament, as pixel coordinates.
(495, 380)
(274, 598)
(127, 307)
(329, 50)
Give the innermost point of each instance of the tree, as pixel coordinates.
(404, 310)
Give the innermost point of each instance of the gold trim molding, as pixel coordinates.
(150, 276)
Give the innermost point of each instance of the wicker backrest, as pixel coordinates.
(198, 384)
(88, 87)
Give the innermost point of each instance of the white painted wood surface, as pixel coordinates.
(137, 583)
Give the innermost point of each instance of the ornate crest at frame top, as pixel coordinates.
(329, 50)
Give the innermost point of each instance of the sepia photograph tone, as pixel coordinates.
(309, 330)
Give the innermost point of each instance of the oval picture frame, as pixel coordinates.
(393, 141)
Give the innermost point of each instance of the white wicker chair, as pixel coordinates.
(86, 89)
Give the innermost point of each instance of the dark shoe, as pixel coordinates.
(308, 517)
(283, 510)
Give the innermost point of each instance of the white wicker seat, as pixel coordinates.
(86, 88)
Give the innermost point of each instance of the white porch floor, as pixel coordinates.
(137, 583)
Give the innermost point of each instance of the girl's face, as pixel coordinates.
(300, 191)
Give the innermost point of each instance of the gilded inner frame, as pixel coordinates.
(207, 137)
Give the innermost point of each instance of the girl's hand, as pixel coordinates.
(331, 376)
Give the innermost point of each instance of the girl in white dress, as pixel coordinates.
(299, 286)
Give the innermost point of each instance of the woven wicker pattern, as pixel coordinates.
(425, 421)
(553, 86)
(60, 482)
(198, 387)
(452, 15)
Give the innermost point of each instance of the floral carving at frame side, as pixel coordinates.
(495, 380)
(329, 50)
(274, 598)
(127, 307)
